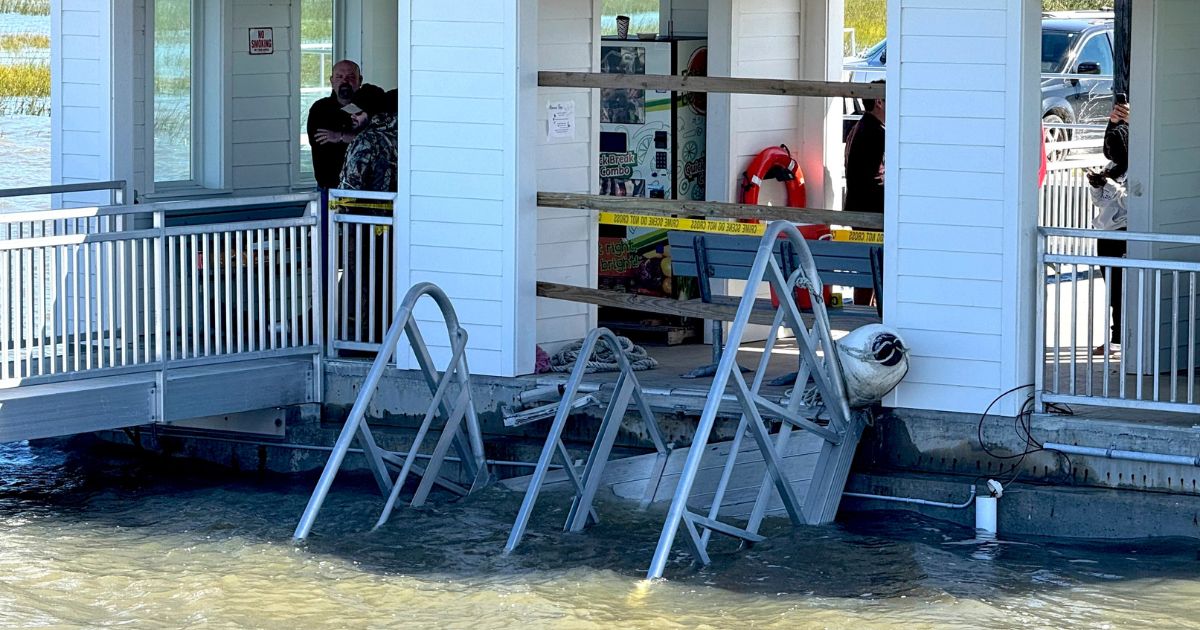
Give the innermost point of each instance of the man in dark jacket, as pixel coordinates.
(371, 157)
(329, 128)
(864, 169)
(864, 160)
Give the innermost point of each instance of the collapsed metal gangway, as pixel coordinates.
(452, 402)
(822, 412)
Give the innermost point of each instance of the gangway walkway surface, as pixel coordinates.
(125, 315)
(727, 488)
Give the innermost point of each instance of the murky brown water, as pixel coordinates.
(103, 541)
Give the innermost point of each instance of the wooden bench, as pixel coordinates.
(719, 256)
(730, 257)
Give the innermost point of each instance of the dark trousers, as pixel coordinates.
(1114, 249)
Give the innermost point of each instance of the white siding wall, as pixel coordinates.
(961, 172)
(81, 95)
(566, 245)
(766, 44)
(467, 75)
(262, 113)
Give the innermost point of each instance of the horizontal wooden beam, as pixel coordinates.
(664, 306)
(676, 83)
(709, 209)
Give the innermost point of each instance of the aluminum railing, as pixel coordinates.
(1157, 364)
(99, 291)
(1065, 202)
(360, 269)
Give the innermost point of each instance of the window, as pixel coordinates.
(643, 16)
(1098, 50)
(316, 64)
(1055, 45)
(174, 111)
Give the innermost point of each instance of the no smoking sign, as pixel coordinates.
(262, 41)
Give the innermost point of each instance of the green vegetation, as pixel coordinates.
(25, 89)
(629, 7)
(17, 42)
(1076, 5)
(868, 18)
(25, 7)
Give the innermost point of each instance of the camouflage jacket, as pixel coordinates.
(371, 157)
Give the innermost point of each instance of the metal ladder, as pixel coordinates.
(627, 390)
(840, 436)
(452, 384)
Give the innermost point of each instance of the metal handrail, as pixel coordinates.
(1153, 312)
(463, 408)
(118, 186)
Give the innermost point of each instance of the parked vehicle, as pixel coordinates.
(1073, 43)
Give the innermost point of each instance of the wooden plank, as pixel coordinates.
(666, 306)
(731, 85)
(710, 209)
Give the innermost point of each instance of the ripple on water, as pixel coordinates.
(91, 540)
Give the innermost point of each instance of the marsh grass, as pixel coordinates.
(25, 7)
(17, 42)
(868, 18)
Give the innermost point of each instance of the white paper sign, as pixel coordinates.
(561, 120)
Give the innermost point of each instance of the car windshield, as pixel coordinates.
(871, 52)
(1055, 45)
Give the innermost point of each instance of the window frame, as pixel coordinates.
(302, 180)
(197, 104)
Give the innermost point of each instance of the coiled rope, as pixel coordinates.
(602, 359)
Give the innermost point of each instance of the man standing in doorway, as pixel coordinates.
(864, 169)
(330, 129)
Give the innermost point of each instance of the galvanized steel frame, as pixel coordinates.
(626, 390)
(461, 428)
(841, 435)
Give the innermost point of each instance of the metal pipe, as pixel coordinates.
(1134, 456)
(941, 504)
(326, 449)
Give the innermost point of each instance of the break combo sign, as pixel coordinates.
(262, 41)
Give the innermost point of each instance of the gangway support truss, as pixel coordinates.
(452, 402)
(627, 390)
(819, 362)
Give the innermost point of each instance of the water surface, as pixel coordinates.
(105, 540)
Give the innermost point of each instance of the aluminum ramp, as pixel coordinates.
(728, 488)
(87, 404)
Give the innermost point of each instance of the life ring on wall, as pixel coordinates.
(775, 163)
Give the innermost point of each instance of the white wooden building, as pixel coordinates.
(962, 154)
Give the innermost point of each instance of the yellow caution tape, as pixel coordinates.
(858, 236)
(687, 225)
(350, 202)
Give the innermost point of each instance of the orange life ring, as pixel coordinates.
(775, 163)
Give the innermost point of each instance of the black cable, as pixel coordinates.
(979, 427)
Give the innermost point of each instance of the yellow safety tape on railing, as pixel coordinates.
(350, 202)
(687, 225)
(858, 236)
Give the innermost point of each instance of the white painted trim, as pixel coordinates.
(56, 69)
(121, 99)
(894, 124)
(401, 241)
(1142, 65)
(1022, 131)
(722, 50)
(295, 178)
(521, 214)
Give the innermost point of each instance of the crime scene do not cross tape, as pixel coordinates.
(721, 227)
